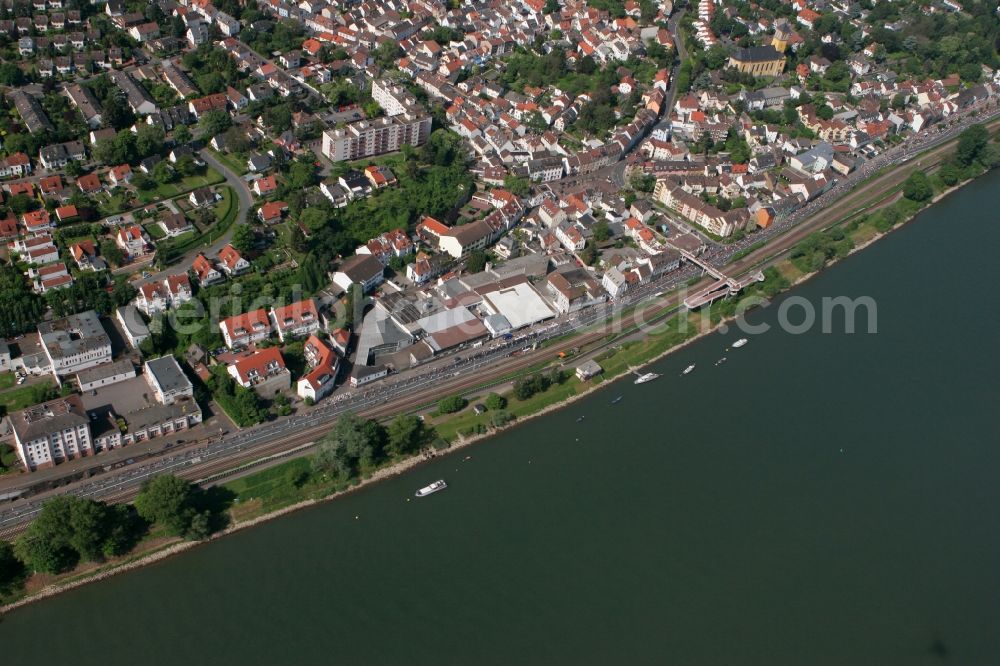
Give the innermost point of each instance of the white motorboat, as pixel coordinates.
(688, 369)
(432, 488)
(648, 377)
(739, 343)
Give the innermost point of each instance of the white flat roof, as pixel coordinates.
(445, 319)
(521, 304)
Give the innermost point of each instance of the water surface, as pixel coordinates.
(818, 499)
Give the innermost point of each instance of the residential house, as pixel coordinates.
(245, 329)
(271, 211)
(120, 175)
(202, 197)
(232, 262)
(174, 224)
(132, 240)
(265, 186)
(264, 371)
(324, 364)
(361, 269)
(153, 298)
(205, 271)
(295, 320)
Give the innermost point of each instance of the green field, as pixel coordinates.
(170, 190)
(226, 210)
(154, 230)
(235, 163)
(111, 205)
(23, 396)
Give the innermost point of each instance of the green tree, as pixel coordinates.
(169, 501)
(301, 175)
(495, 402)
(355, 445)
(22, 203)
(112, 253)
(163, 173)
(11, 75)
(526, 387)
(200, 527)
(918, 187)
(182, 134)
(971, 144)
(476, 261)
(116, 113)
(186, 166)
(405, 435)
(278, 118)
(214, 122)
(451, 404)
(387, 53)
(91, 524)
(312, 274)
(602, 231)
(44, 554)
(243, 238)
(517, 185)
(20, 308)
(642, 182)
(11, 570)
(950, 174)
(143, 182)
(315, 217)
(298, 240)
(69, 528)
(149, 140)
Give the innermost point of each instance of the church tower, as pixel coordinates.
(782, 32)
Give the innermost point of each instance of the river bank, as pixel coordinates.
(137, 560)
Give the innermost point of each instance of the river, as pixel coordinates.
(817, 499)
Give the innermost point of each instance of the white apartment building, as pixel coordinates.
(394, 99)
(52, 432)
(75, 343)
(367, 138)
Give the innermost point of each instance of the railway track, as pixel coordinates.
(225, 465)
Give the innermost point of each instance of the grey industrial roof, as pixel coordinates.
(105, 370)
(168, 374)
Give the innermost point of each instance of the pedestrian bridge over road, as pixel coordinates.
(722, 287)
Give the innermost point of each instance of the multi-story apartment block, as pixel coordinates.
(75, 343)
(367, 138)
(51, 432)
(394, 99)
